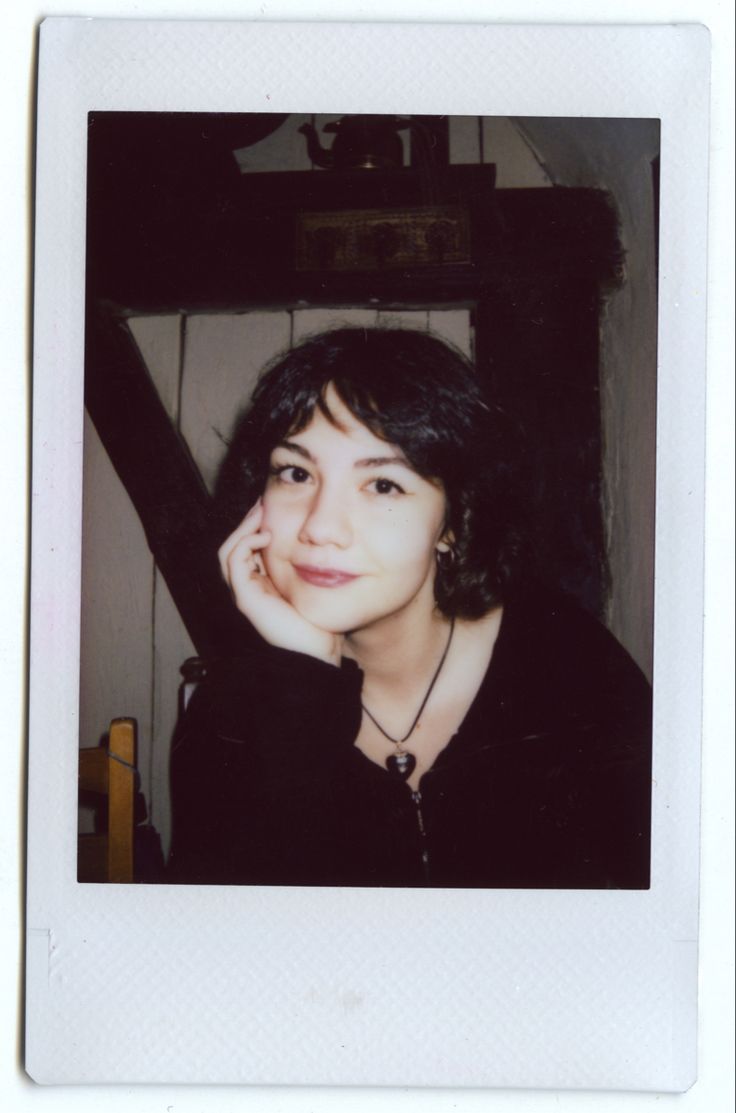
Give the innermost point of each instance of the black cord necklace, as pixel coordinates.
(402, 763)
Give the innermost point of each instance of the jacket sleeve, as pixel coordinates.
(264, 742)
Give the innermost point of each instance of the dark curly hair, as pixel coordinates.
(414, 391)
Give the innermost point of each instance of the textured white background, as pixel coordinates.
(337, 999)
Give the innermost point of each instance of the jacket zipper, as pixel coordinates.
(417, 798)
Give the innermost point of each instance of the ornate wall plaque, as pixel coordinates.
(372, 239)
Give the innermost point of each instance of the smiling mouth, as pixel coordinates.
(323, 577)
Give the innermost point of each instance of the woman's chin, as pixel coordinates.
(329, 615)
(322, 619)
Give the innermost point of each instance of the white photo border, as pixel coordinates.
(505, 988)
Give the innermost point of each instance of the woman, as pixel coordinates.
(418, 713)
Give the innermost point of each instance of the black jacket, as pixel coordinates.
(546, 784)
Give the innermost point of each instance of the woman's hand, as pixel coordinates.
(255, 596)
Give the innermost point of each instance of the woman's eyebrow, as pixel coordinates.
(292, 446)
(366, 462)
(381, 461)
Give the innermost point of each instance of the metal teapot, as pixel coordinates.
(361, 143)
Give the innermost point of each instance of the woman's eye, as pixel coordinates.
(290, 473)
(385, 487)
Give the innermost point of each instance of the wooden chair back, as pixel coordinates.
(110, 773)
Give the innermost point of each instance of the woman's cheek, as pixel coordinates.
(267, 504)
(277, 569)
(274, 520)
(276, 555)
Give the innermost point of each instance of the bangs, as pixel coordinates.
(358, 400)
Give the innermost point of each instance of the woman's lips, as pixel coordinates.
(323, 577)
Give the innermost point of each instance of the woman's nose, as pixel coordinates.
(327, 521)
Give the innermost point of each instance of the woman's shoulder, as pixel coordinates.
(549, 642)
(558, 623)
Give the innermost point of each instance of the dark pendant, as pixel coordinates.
(401, 765)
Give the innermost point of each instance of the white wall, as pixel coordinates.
(117, 590)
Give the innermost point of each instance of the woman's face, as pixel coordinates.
(354, 529)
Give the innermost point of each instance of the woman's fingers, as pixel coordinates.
(248, 527)
(243, 560)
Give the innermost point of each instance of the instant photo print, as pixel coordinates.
(526, 205)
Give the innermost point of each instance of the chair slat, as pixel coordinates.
(110, 772)
(122, 788)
